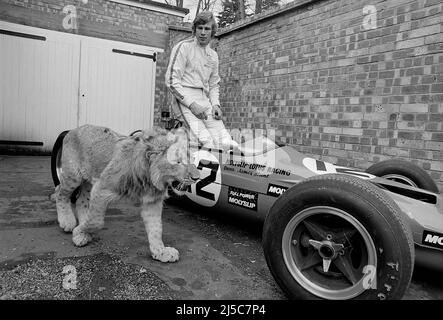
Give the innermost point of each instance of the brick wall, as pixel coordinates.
(102, 19)
(335, 90)
(98, 18)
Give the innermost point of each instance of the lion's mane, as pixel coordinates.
(134, 169)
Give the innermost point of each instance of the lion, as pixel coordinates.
(106, 166)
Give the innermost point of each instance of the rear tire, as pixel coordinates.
(56, 157)
(403, 172)
(56, 163)
(350, 223)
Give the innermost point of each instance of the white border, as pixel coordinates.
(151, 7)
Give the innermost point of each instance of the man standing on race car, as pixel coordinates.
(192, 77)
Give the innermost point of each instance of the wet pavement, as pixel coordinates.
(220, 257)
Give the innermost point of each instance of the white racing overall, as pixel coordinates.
(192, 76)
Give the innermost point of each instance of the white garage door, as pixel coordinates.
(38, 84)
(116, 86)
(52, 81)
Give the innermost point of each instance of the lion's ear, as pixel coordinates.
(149, 153)
(150, 150)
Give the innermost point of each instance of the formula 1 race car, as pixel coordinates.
(329, 231)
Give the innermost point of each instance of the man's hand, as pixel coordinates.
(216, 112)
(198, 111)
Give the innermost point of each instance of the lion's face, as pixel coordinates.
(174, 165)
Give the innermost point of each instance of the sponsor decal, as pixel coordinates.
(255, 169)
(276, 190)
(432, 239)
(243, 198)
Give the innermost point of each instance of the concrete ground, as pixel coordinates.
(220, 258)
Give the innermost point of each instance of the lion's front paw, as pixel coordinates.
(67, 222)
(168, 254)
(80, 238)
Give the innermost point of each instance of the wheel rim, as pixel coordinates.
(401, 179)
(329, 253)
(58, 164)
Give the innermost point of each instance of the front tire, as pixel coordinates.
(338, 237)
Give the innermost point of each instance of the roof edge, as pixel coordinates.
(180, 28)
(155, 6)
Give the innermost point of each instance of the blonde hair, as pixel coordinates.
(203, 18)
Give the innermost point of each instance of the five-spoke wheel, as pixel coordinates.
(328, 251)
(336, 236)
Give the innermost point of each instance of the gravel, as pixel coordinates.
(96, 277)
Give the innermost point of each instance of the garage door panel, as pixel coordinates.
(10, 86)
(119, 97)
(59, 111)
(38, 98)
